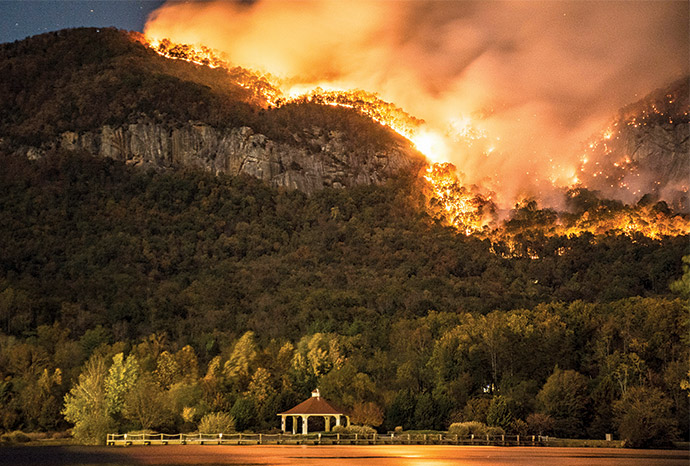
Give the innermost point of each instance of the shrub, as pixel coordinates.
(466, 429)
(644, 418)
(493, 431)
(17, 437)
(95, 430)
(216, 423)
(541, 424)
(354, 429)
(519, 427)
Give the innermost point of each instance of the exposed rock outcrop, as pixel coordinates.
(322, 159)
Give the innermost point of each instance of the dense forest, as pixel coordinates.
(172, 295)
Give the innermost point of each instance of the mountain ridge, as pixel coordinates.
(120, 99)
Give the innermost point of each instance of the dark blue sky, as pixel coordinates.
(22, 18)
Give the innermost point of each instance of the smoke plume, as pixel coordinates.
(513, 88)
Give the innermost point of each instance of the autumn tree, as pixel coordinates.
(86, 404)
(565, 397)
(237, 367)
(146, 405)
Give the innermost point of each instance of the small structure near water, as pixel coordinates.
(312, 407)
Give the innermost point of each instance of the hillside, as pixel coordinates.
(104, 92)
(99, 258)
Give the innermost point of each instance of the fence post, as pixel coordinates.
(518, 439)
(471, 438)
(487, 439)
(260, 438)
(374, 438)
(424, 439)
(503, 439)
(356, 438)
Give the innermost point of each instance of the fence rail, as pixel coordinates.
(322, 439)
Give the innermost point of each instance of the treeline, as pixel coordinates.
(359, 292)
(578, 370)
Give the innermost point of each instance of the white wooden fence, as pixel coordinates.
(321, 439)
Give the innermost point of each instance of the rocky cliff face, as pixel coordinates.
(319, 159)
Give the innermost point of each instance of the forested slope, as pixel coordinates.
(357, 291)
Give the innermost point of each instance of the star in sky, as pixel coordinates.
(23, 18)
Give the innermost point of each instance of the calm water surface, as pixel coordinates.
(384, 455)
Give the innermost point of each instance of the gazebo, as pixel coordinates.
(314, 406)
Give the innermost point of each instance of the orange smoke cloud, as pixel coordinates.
(509, 90)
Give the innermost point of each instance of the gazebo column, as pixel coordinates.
(337, 420)
(282, 423)
(328, 423)
(294, 425)
(305, 424)
(347, 418)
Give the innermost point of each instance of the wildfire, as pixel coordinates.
(365, 103)
(198, 55)
(461, 206)
(469, 212)
(646, 221)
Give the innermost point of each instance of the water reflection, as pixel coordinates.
(382, 455)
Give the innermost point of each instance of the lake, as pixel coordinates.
(382, 455)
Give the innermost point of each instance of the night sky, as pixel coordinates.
(23, 18)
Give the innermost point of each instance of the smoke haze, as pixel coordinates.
(514, 88)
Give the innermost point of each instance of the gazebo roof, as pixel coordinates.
(314, 405)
